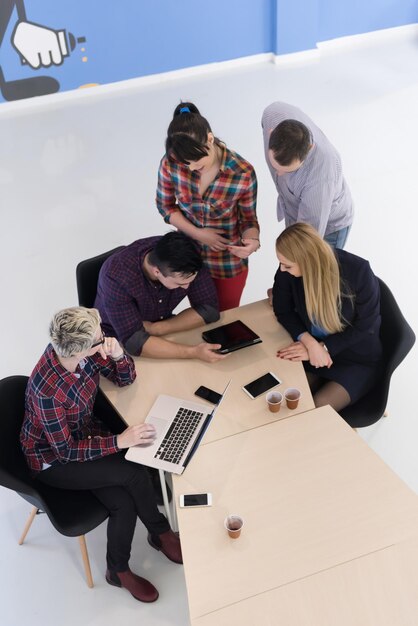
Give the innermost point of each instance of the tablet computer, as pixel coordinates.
(233, 336)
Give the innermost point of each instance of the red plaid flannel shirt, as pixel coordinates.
(229, 203)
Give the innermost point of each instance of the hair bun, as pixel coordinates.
(181, 109)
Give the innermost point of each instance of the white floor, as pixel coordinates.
(78, 178)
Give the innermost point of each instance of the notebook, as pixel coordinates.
(180, 427)
(233, 336)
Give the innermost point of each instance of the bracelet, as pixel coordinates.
(324, 346)
(119, 357)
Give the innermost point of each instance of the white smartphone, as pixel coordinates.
(260, 385)
(195, 499)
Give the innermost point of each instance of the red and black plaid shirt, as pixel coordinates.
(59, 425)
(229, 203)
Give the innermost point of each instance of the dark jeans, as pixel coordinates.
(126, 491)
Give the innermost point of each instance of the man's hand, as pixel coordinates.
(206, 352)
(140, 434)
(212, 237)
(151, 329)
(296, 351)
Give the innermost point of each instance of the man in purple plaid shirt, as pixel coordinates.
(139, 288)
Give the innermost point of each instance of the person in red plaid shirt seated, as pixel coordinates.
(67, 447)
(209, 192)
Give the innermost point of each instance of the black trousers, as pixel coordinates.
(126, 491)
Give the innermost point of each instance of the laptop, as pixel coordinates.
(233, 336)
(180, 427)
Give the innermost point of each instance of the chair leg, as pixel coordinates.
(86, 562)
(165, 498)
(28, 524)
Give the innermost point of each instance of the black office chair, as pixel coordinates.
(72, 513)
(87, 274)
(397, 338)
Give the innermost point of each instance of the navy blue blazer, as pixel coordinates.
(359, 341)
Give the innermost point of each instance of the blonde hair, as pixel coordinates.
(301, 244)
(73, 330)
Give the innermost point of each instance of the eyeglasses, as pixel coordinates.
(98, 343)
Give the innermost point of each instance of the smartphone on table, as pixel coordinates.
(208, 394)
(262, 384)
(195, 499)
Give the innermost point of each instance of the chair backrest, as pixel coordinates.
(396, 334)
(14, 472)
(72, 513)
(87, 274)
(397, 339)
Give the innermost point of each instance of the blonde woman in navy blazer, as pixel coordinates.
(329, 302)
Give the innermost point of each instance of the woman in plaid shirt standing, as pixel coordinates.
(209, 192)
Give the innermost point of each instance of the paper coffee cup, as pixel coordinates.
(274, 400)
(292, 397)
(234, 524)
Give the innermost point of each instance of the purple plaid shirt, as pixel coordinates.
(126, 297)
(59, 425)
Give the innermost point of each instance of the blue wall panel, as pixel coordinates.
(297, 26)
(339, 18)
(132, 38)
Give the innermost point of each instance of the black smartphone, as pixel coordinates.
(262, 384)
(208, 394)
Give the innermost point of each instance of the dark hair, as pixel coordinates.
(175, 252)
(187, 135)
(290, 140)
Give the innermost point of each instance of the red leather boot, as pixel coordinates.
(141, 589)
(169, 544)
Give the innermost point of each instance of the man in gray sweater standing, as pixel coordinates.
(307, 172)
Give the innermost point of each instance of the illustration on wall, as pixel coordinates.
(38, 47)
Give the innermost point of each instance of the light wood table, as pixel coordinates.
(180, 378)
(378, 589)
(313, 496)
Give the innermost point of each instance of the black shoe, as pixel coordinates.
(156, 483)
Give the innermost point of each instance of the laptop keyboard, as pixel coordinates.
(178, 436)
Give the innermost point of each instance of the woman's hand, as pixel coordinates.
(140, 434)
(318, 355)
(112, 348)
(248, 247)
(296, 351)
(213, 237)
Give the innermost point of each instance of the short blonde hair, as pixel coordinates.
(300, 243)
(73, 330)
